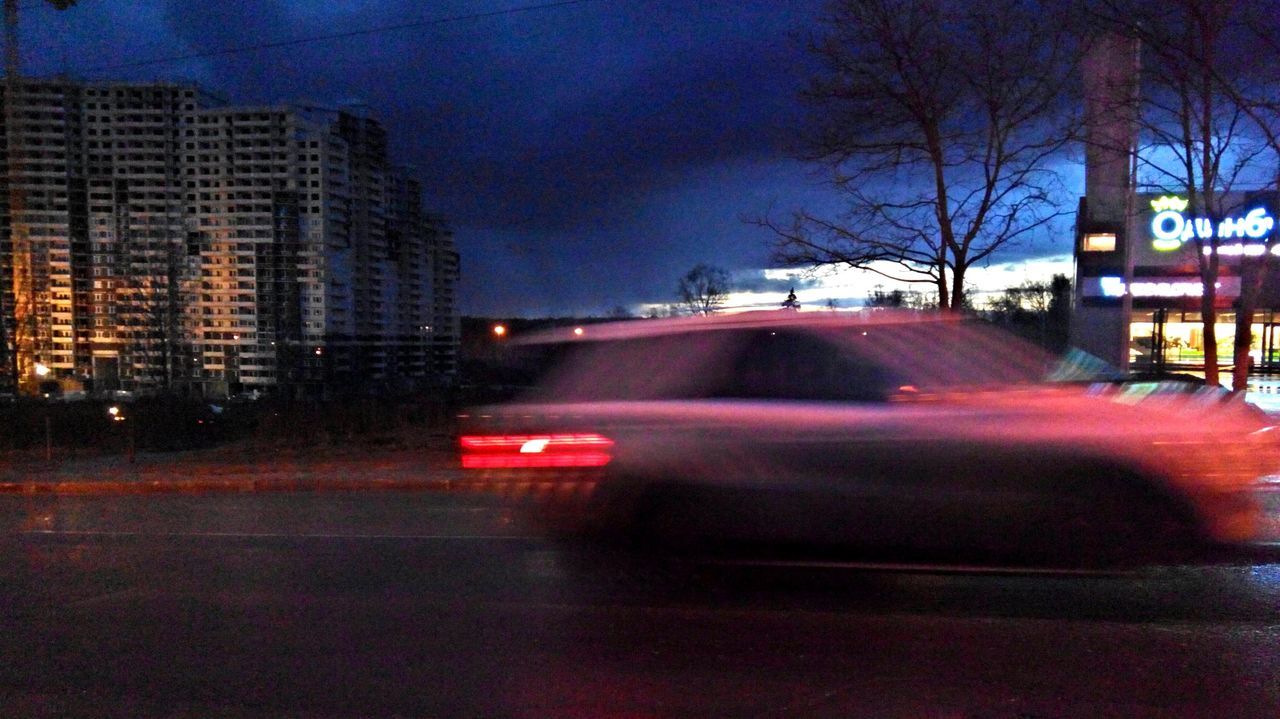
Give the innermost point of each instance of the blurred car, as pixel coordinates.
(874, 436)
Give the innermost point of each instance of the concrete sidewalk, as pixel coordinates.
(244, 467)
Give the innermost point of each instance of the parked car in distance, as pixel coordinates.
(886, 436)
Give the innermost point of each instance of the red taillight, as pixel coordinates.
(525, 451)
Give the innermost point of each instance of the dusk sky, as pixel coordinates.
(586, 153)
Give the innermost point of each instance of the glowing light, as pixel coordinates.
(1111, 286)
(1098, 242)
(534, 446)
(1177, 204)
(1170, 229)
(1115, 287)
(1255, 225)
(1191, 288)
(1167, 229)
(42, 370)
(319, 351)
(535, 461)
(1238, 248)
(535, 451)
(515, 441)
(499, 330)
(577, 331)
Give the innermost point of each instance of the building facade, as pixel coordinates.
(1139, 293)
(155, 238)
(1138, 289)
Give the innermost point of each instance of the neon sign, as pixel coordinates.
(1171, 228)
(1238, 249)
(1156, 288)
(1115, 287)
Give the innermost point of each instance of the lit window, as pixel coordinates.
(1099, 242)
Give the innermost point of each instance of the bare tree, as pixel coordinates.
(878, 297)
(1252, 88)
(703, 289)
(791, 302)
(1037, 309)
(939, 121)
(1207, 126)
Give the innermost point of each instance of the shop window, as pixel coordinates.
(1099, 242)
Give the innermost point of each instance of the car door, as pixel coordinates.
(833, 448)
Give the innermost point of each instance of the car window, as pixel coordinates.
(792, 365)
(847, 363)
(675, 366)
(946, 356)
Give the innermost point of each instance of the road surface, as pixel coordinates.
(409, 604)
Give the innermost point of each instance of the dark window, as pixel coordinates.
(791, 365)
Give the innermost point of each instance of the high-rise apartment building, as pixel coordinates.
(155, 238)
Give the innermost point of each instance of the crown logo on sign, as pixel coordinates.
(1168, 202)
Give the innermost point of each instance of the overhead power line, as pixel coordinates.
(340, 35)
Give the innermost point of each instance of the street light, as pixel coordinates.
(118, 416)
(499, 330)
(42, 370)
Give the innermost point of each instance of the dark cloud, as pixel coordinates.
(756, 281)
(587, 154)
(533, 120)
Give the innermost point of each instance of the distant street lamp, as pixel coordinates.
(42, 370)
(578, 331)
(118, 416)
(499, 330)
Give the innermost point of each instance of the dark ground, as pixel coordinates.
(412, 457)
(380, 604)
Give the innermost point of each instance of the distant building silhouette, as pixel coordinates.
(166, 240)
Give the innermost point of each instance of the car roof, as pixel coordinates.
(765, 319)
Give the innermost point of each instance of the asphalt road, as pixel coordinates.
(420, 604)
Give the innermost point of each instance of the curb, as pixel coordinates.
(199, 486)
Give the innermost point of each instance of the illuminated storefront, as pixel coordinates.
(1145, 295)
(1171, 339)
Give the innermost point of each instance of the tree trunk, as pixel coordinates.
(957, 290)
(1251, 276)
(1240, 354)
(1209, 318)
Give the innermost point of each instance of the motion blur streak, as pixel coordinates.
(893, 437)
(535, 451)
